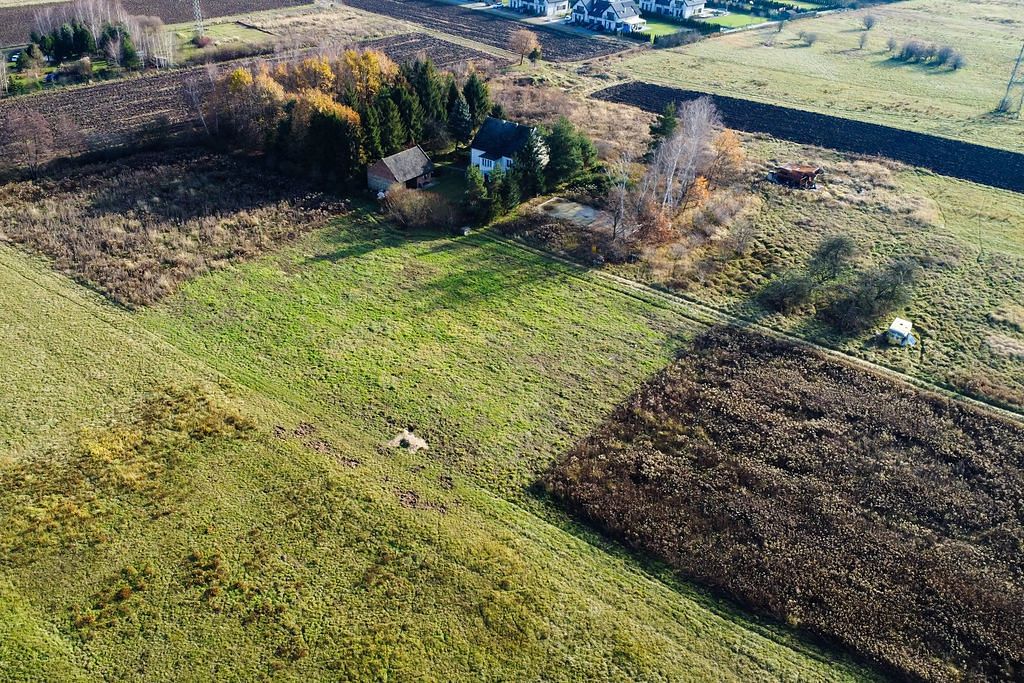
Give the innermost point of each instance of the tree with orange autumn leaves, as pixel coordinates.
(326, 116)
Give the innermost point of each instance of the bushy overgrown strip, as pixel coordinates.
(835, 500)
(136, 228)
(300, 548)
(489, 28)
(955, 158)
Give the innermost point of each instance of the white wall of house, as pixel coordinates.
(544, 8)
(608, 21)
(476, 158)
(680, 9)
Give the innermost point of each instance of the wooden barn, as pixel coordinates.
(411, 167)
(798, 175)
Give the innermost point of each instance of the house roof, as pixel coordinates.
(407, 164)
(498, 138)
(622, 9)
(901, 326)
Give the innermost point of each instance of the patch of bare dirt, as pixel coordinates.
(408, 440)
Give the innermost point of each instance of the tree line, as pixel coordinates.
(329, 116)
(71, 36)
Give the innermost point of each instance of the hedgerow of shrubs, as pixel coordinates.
(919, 52)
(824, 496)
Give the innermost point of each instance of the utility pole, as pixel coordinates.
(198, 11)
(1013, 101)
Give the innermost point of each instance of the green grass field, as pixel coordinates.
(201, 490)
(835, 77)
(736, 20)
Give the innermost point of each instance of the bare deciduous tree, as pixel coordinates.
(620, 176)
(682, 157)
(28, 138)
(523, 42)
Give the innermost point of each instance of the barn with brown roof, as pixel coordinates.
(411, 167)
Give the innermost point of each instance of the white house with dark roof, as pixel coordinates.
(541, 8)
(679, 9)
(411, 167)
(497, 143)
(609, 15)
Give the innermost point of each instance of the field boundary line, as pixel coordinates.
(708, 315)
(982, 164)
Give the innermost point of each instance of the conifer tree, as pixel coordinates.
(476, 194)
(478, 98)
(496, 191)
(372, 132)
(564, 150)
(460, 123)
(411, 111)
(665, 126)
(528, 167)
(393, 133)
(453, 96)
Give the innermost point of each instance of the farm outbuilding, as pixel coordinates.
(798, 175)
(900, 333)
(411, 167)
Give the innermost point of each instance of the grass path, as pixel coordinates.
(701, 313)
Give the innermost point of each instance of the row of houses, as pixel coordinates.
(619, 16)
(495, 146)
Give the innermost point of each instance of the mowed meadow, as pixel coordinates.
(835, 76)
(202, 488)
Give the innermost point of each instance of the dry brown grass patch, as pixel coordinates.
(137, 228)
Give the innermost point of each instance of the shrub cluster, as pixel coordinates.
(918, 52)
(827, 497)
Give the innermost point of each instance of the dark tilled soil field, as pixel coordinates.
(838, 501)
(16, 22)
(976, 163)
(444, 54)
(488, 28)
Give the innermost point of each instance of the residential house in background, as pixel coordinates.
(411, 167)
(541, 8)
(678, 9)
(497, 143)
(617, 16)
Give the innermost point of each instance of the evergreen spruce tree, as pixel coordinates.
(564, 151)
(129, 55)
(393, 133)
(477, 205)
(665, 126)
(411, 111)
(431, 90)
(496, 191)
(84, 41)
(478, 97)
(528, 167)
(372, 132)
(460, 123)
(453, 96)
